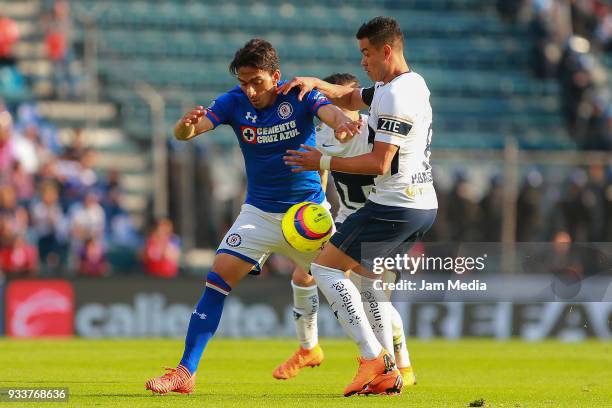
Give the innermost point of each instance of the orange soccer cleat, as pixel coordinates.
(390, 383)
(177, 379)
(368, 370)
(300, 359)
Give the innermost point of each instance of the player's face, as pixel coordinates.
(373, 60)
(258, 85)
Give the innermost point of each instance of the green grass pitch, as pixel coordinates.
(237, 373)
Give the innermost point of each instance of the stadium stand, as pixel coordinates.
(116, 151)
(476, 67)
(476, 63)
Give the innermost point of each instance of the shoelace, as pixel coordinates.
(296, 359)
(170, 375)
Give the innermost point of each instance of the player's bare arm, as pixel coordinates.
(192, 124)
(344, 96)
(344, 127)
(377, 162)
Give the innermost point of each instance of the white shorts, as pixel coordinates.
(256, 234)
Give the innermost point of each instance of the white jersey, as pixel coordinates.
(400, 114)
(353, 189)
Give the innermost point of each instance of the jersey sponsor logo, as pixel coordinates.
(412, 191)
(393, 126)
(249, 134)
(285, 110)
(251, 117)
(233, 240)
(278, 133)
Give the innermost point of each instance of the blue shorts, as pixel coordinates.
(385, 231)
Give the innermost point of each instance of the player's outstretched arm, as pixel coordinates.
(344, 127)
(377, 162)
(343, 96)
(192, 123)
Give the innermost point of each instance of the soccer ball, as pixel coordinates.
(307, 226)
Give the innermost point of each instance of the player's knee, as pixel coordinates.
(302, 278)
(332, 257)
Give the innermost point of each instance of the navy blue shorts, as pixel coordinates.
(384, 230)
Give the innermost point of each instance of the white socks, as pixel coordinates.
(305, 307)
(345, 302)
(378, 310)
(402, 358)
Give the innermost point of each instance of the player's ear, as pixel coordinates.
(387, 50)
(276, 76)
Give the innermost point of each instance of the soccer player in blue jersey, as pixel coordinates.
(266, 125)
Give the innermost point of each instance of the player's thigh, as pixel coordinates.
(371, 235)
(301, 259)
(231, 268)
(407, 233)
(341, 249)
(251, 237)
(333, 257)
(329, 256)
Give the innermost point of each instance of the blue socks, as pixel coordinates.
(204, 320)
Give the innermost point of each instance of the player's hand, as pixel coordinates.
(347, 130)
(306, 84)
(193, 116)
(303, 160)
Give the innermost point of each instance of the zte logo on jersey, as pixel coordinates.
(394, 126)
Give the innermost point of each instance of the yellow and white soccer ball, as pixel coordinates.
(307, 226)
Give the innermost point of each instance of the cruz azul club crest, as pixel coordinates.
(285, 110)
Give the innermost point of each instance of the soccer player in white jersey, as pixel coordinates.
(402, 205)
(353, 191)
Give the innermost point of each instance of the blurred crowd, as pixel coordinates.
(58, 215)
(577, 206)
(571, 40)
(57, 30)
(56, 211)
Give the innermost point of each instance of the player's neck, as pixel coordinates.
(399, 67)
(271, 103)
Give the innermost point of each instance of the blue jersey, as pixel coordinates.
(264, 137)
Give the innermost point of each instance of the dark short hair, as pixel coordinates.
(380, 31)
(256, 53)
(342, 79)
